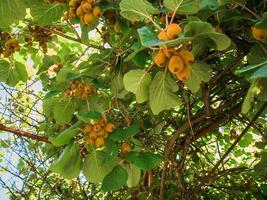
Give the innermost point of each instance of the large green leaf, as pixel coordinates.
(115, 179)
(144, 160)
(11, 11)
(69, 164)
(161, 96)
(137, 9)
(200, 71)
(22, 72)
(123, 134)
(254, 71)
(46, 14)
(94, 168)
(138, 81)
(63, 110)
(66, 136)
(134, 174)
(183, 6)
(202, 31)
(89, 115)
(11, 74)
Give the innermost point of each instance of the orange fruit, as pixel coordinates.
(187, 57)
(88, 18)
(175, 64)
(184, 74)
(88, 128)
(109, 127)
(160, 59)
(97, 11)
(173, 30)
(163, 35)
(79, 11)
(99, 142)
(87, 7)
(93, 135)
(90, 141)
(125, 148)
(96, 127)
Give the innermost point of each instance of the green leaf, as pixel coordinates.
(183, 6)
(200, 71)
(65, 136)
(94, 169)
(249, 97)
(115, 179)
(138, 81)
(257, 54)
(46, 14)
(117, 86)
(263, 22)
(11, 11)
(22, 72)
(8, 73)
(69, 163)
(63, 111)
(202, 31)
(134, 174)
(264, 189)
(138, 10)
(149, 38)
(246, 140)
(261, 90)
(144, 160)
(253, 71)
(123, 134)
(209, 4)
(161, 96)
(47, 62)
(261, 72)
(261, 167)
(89, 115)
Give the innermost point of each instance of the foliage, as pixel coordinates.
(92, 82)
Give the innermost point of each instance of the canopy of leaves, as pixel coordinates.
(98, 110)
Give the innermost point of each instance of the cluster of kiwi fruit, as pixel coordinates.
(40, 35)
(80, 90)
(86, 10)
(259, 33)
(97, 132)
(8, 45)
(178, 61)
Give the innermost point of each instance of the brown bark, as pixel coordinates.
(22, 133)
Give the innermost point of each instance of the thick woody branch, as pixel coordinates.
(22, 133)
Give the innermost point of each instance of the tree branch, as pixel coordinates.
(24, 134)
(206, 178)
